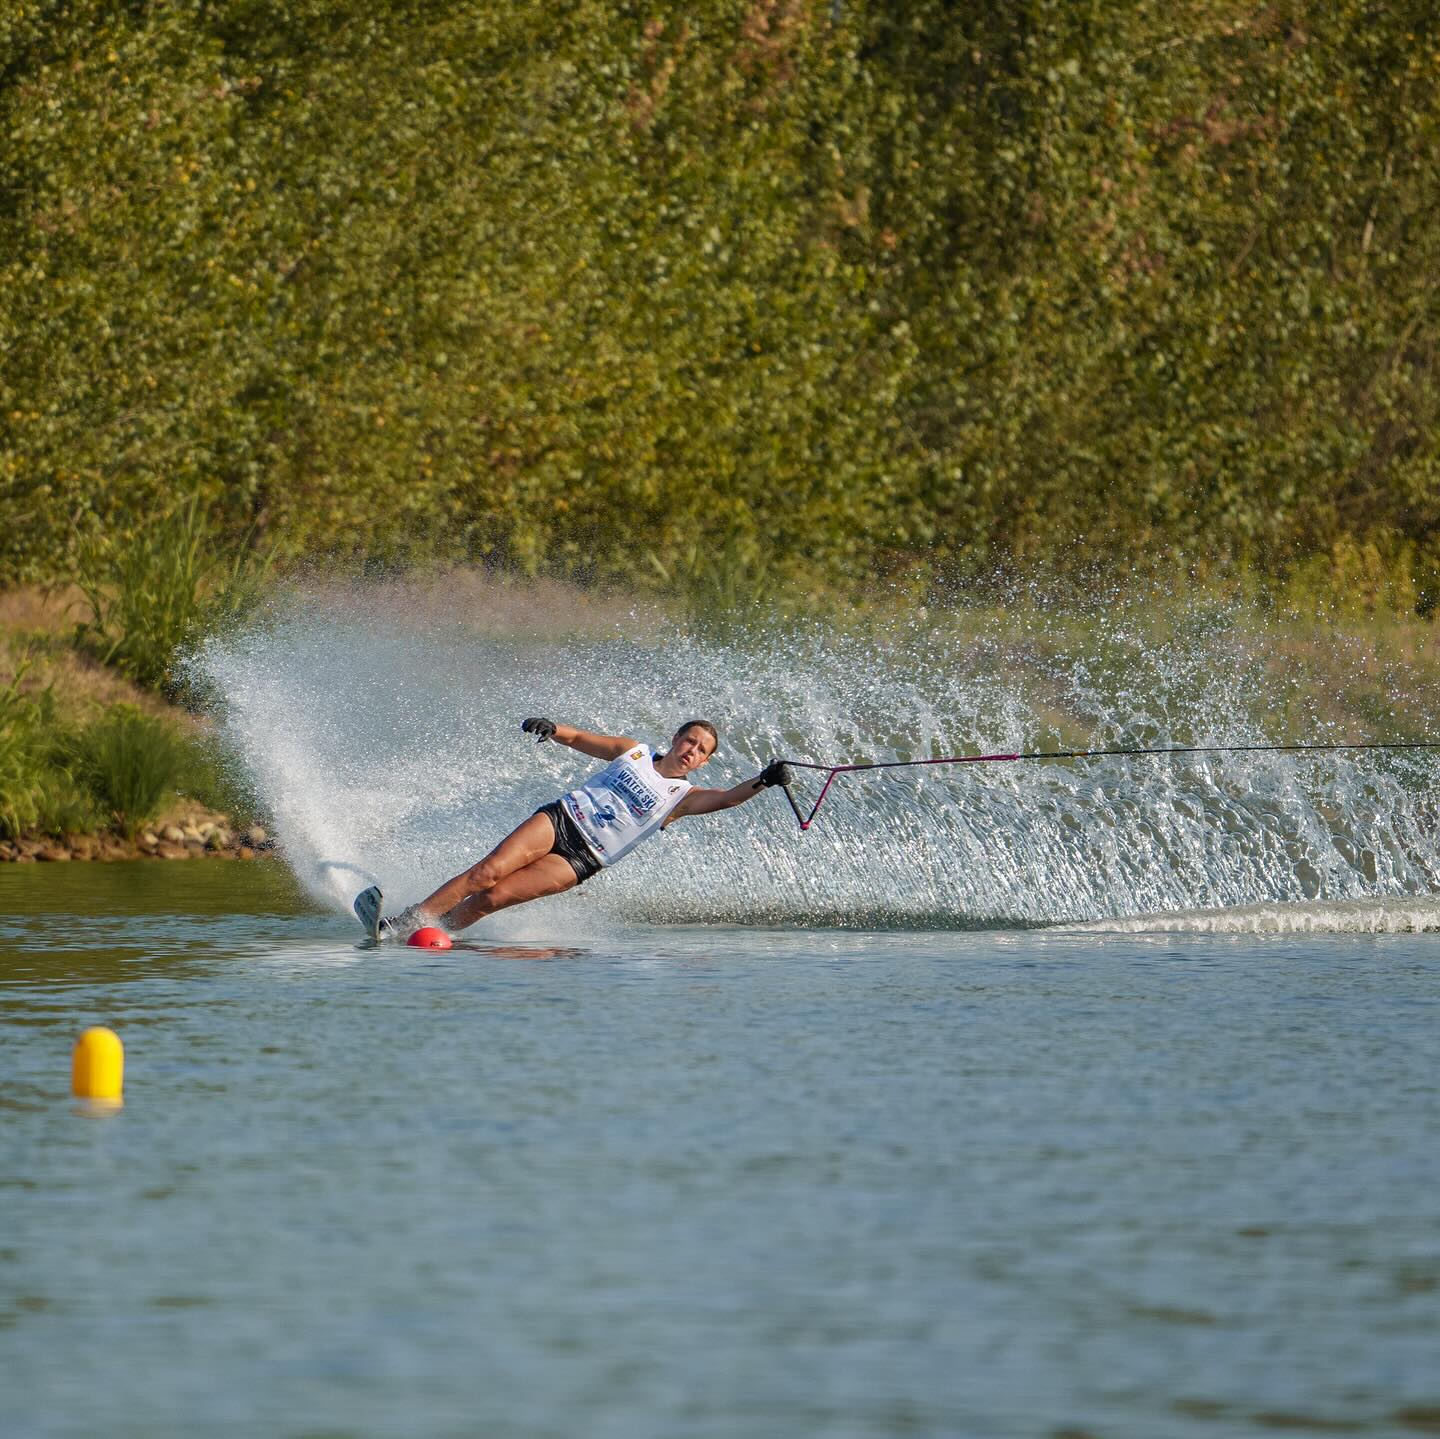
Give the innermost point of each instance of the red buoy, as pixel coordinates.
(430, 938)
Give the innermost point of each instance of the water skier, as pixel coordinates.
(565, 842)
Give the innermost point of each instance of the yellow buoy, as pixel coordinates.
(97, 1067)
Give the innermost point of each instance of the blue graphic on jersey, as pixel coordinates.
(604, 817)
(638, 800)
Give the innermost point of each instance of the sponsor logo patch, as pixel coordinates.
(638, 800)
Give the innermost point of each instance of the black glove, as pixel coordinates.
(776, 772)
(543, 727)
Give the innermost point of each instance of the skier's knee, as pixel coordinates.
(480, 877)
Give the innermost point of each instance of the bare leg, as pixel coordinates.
(548, 875)
(524, 845)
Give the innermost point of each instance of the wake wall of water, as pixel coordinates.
(392, 749)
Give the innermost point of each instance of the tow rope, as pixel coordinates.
(830, 771)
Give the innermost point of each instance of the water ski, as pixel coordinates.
(368, 906)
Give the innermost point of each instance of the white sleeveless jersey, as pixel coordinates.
(625, 802)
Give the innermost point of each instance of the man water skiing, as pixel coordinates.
(567, 841)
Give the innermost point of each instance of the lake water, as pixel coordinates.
(685, 1181)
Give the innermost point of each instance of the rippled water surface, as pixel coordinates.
(710, 1181)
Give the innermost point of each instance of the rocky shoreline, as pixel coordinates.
(211, 838)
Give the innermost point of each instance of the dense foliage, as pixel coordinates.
(782, 288)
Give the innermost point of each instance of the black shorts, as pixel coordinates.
(570, 843)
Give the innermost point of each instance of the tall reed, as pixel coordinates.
(152, 596)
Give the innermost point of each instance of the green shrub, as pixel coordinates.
(61, 806)
(131, 763)
(212, 777)
(155, 593)
(722, 588)
(36, 792)
(20, 733)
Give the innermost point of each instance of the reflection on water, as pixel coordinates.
(488, 951)
(700, 1183)
(517, 951)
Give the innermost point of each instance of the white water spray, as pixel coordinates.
(392, 748)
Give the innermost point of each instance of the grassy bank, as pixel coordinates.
(93, 765)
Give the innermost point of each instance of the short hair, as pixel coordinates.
(699, 724)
